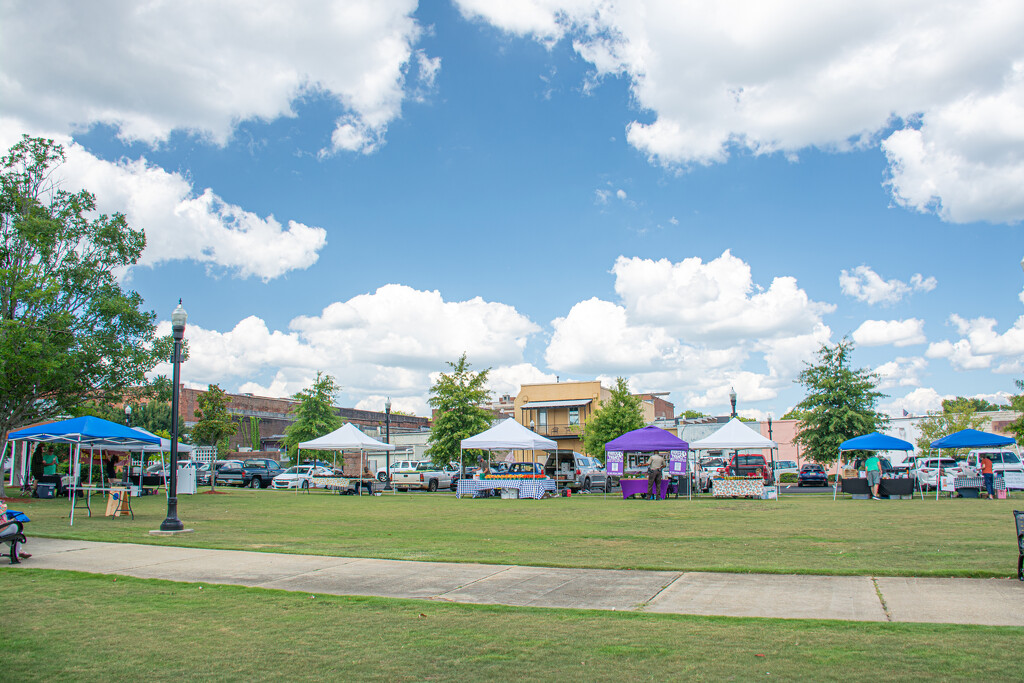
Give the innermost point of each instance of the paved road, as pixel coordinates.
(853, 598)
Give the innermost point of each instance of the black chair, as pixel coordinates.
(1018, 516)
(12, 532)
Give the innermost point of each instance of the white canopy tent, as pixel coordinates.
(508, 435)
(736, 436)
(346, 438)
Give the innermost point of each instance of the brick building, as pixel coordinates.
(271, 416)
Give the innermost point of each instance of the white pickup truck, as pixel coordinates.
(426, 475)
(1005, 463)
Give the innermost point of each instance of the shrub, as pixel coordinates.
(787, 478)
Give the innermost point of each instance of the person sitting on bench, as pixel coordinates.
(366, 481)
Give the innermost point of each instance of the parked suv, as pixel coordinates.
(1004, 462)
(576, 471)
(926, 471)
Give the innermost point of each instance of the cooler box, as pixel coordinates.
(45, 490)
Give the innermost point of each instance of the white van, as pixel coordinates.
(1004, 462)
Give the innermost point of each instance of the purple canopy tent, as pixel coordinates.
(646, 439)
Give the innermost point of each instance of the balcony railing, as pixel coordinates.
(559, 431)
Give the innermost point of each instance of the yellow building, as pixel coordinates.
(560, 410)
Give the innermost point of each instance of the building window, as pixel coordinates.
(574, 416)
(542, 418)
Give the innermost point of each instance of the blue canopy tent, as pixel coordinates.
(875, 441)
(968, 438)
(89, 431)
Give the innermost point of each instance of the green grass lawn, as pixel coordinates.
(85, 627)
(798, 534)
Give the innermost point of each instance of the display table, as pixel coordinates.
(737, 488)
(342, 484)
(856, 486)
(972, 482)
(528, 488)
(632, 487)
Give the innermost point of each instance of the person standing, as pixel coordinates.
(49, 464)
(110, 468)
(873, 471)
(986, 474)
(654, 468)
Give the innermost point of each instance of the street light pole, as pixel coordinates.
(178, 320)
(127, 415)
(387, 440)
(732, 400)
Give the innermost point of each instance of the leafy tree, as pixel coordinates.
(840, 403)
(692, 414)
(956, 414)
(314, 414)
(1017, 404)
(619, 414)
(456, 397)
(979, 405)
(68, 332)
(794, 414)
(214, 422)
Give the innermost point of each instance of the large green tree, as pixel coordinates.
(213, 421)
(456, 397)
(314, 413)
(1017, 404)
(956, 414)
(840, 402)
(68, 332)
(619, 414)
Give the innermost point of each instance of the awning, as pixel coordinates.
(557, 404)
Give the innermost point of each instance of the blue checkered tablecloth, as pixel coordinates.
(978, 483)
(528, 488)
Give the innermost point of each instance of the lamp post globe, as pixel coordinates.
(178, 320)
(127, 415)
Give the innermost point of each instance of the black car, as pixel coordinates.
(812, 475)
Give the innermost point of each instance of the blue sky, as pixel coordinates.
(692, 197)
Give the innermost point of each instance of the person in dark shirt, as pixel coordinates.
(110, 469)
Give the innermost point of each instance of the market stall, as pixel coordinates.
(875, 441)
(94, 432)
(648, 439)
(348, 437)
(968, 438)
(737, 436)
(507, 435)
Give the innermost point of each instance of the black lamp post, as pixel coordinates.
(178, 320)
(769, 427)
(387, 440)
(732, 400)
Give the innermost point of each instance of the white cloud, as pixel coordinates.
(918, 402)
(759, 77)
(981, 346)
(390, 340)
(864, 284)
(901, 372)
(895, 332)
(148, 69)
(692, 327)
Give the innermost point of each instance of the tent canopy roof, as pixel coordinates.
(876, 442)
(648, 438)
(85, 431)
(972, 438)
(509, 435)
(736, 435)
(346, 438)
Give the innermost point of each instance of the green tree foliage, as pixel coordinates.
(956, 414)
(840, 403)
(314, 414)
(692, 414)
(68, 332)
(1017, 404)
(979, 405)
(456, 397)
(795, 414)
(213, 421)
(619, 414)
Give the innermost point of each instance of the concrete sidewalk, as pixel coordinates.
(998, 602)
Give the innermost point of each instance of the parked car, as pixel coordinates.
(1004, 463)
(750, 466)
(426, 476)
(812, 474)
(520, 470)
(299, 476)
(785, 467)
(926, 471)
(708, 470)
(203, 474)
(398, 466)
(576, 471)
(258, 473)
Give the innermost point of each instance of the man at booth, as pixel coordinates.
(654, 468)
(873, 471)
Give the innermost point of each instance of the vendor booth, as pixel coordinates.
(94, 432)
(507, 435)
(888, 486)
(186, 480)
(648, 439)
(969, 438)
(346, 438)
(737, 436)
